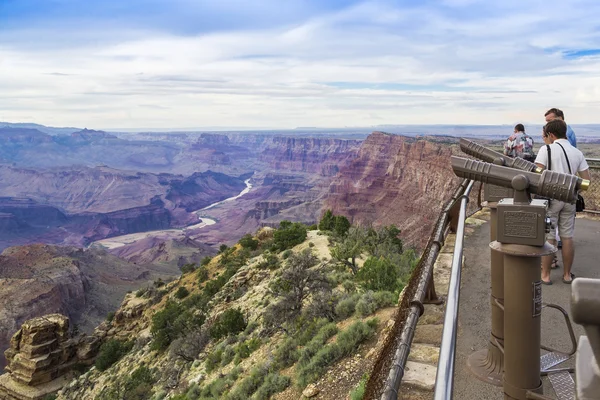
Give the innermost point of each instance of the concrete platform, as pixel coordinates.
(474, 314)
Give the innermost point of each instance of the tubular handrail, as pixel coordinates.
(416, 308)
(444, 381)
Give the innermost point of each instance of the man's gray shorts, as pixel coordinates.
(562, 215)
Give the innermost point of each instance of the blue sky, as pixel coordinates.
(282, 64)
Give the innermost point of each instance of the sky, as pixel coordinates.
(176, 64)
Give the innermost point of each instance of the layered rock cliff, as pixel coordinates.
(395, 180)
(83, 284)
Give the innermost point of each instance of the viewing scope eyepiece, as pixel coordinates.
(491, 156)
(550, 184)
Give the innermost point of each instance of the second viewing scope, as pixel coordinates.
(491, 156)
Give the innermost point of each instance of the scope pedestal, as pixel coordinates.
(522, 317)
(488, 364)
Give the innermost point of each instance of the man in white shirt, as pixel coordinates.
(566, 159)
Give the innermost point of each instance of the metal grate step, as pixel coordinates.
(549, 360)
(563, 385)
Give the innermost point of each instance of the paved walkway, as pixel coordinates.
(474, 314)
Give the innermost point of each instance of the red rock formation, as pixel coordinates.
(395, 180)
(316, 155)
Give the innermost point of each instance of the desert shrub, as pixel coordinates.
(378, 274)
(159, 283)
(317, 343)
(312, 371)
(366, 305)
(350, 338)
(347, 306)
(190, 345)
(349, 286)
(312, 227)
(202, 274)
(205, 261)
(172, 322)
(141, 292)
(286, 353)
(223, 248)
(231, 321)
(227, 356)
(49, 397)
(248, 242)
(213, 359)
(187, 268)
(246, 388)
(289, 235)
(251, 327)
(270, 261)
(110, 352)
(341, 225)
(272, 384)
(245, 348)
(138, 385)
(110, 316)
(311, 244)
(286, 254)
(306, 330)
(182, 292)
(385, 299)
(359, 392)
(193, 392)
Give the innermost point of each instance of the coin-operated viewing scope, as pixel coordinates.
(522, 220)
(492, 193)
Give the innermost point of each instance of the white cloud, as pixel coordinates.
(499, 62)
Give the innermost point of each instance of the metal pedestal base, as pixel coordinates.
(487, 365)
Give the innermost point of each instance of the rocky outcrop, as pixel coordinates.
(41, 353)
(395, 180)
(36, 280)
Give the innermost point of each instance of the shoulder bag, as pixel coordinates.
(580, 204)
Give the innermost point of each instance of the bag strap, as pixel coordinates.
(568, 162)
(549, 157)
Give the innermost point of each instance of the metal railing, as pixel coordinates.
(412, 306)
(444, 381)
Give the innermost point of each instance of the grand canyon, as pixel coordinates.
(96, 224)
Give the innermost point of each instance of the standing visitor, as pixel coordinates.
(565, 159)
(519, 144)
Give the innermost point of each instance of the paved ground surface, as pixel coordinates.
(474, 317)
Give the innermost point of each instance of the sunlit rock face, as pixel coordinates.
(395, 180)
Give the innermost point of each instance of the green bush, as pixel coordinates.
(286, 354)
(213, 360)
(248, 242)
(270, 262)
(378, 274)
(313, 227)
(366, 305)
(350, 338)
(311, 244)
(110, 352)
(193, 392)
(182, 292)
(245, 348)
(202, 274)
(341, 225)
(349, 286)
(205, 261)
(172, 322)
(347, 306)
(223, 248)
(327, 221)
(289, 235)
(110, 316)
(307, 330)
(385, 299)
(359, 392)
(141, 292)
(187, 268)
(246, 388)
(231, 321)
(286, 254)
(318, 364)
(138, 386)
(312, 347)
(272, 384)
(227, 356)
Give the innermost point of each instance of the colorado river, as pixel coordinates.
(118, 241)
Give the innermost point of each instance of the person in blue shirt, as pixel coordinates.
(555, 113)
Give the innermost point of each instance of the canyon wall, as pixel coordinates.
(395, 180)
